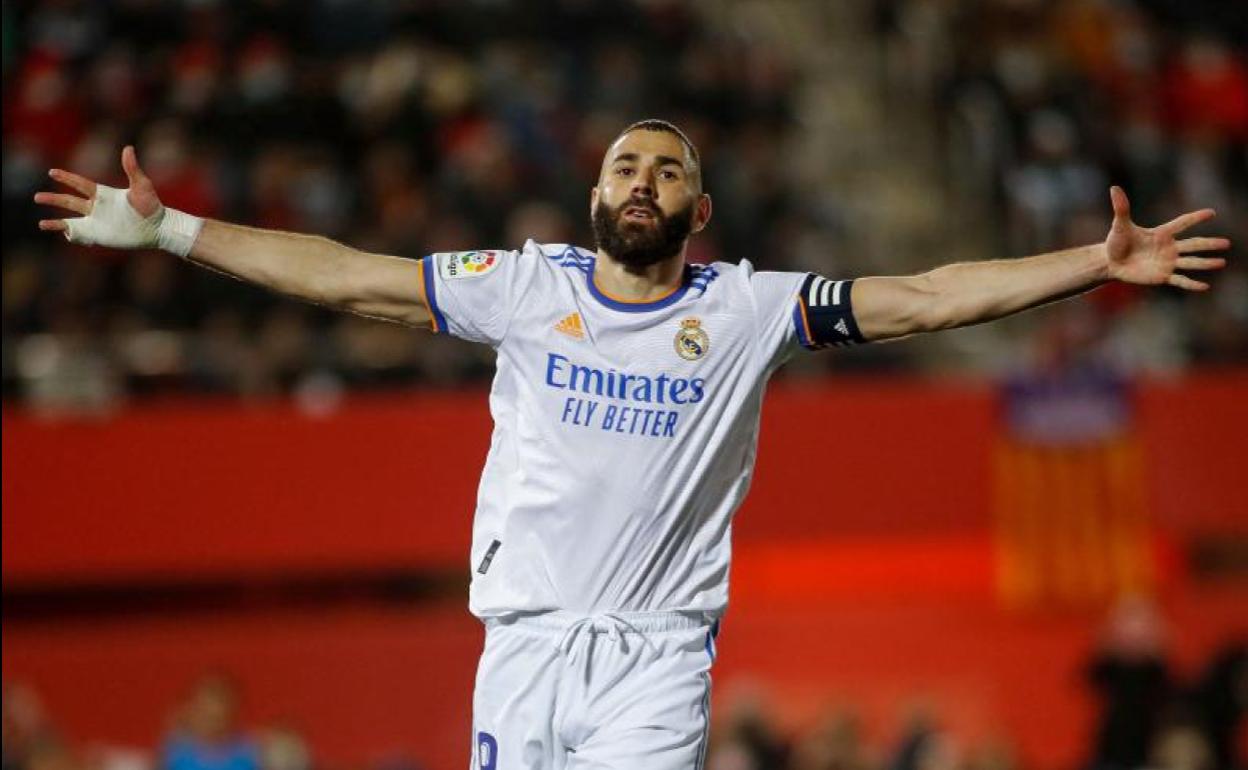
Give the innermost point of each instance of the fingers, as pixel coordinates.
(1200, 263)
(130, 164)
(1122, 206)
(1189, 245)
(79, 183)
(1187, 284)
(53, 225)
(1184, 221)
(60, 200)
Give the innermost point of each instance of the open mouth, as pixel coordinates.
(638, 214)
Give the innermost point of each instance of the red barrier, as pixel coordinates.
(215, 490)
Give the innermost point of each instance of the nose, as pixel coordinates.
(643, 185)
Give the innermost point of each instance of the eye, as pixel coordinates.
(669, 175)
(624, 171)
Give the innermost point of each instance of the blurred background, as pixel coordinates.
(221, 546)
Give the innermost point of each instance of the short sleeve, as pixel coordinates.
(774, 295)
(802, 310)
(472, 294)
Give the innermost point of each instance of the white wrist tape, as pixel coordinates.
(178, 231)
(113, 222)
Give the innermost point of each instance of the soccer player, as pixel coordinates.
(626, 410)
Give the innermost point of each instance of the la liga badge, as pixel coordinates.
(692, 341)
(467, 264)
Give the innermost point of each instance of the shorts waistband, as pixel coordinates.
(561, 621)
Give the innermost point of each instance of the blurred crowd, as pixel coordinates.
(396, 127)
(1148, 717)
(412, 126)
(204, 733)
(1042, 105)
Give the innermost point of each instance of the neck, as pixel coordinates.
(650, 283)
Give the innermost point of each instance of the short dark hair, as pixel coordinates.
(667, 127)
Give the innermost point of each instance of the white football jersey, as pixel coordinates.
(624, 432)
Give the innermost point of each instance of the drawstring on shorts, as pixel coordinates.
(614, 625)
(566, 627)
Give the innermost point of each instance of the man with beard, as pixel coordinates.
(626, 408)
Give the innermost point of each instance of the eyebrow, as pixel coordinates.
(663, 160)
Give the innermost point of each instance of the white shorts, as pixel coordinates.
(557, 691)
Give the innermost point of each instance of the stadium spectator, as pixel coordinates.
(1132, 676)
(284, 748)
(27, 730)
(835, 743)
(1221, 701)
(746, 739)
(205, 735)
(1181, 747)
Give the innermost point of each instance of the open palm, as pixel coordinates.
(141, 195)
(1152, 255)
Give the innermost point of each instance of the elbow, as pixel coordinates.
(939, 316)
(337, 284)
(934, 311)
(949, 303)
(323, 291)
(896, 307)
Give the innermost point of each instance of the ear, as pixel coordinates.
(702, 214)
(593, 200)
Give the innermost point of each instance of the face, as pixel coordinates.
(648, 199)
(210, 712)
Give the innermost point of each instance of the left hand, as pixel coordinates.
(1151, 255)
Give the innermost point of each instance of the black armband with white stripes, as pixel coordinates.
(824, 314)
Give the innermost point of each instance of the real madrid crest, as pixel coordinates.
(692, 341)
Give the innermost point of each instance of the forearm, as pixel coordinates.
(314, 269)
(305, 266)
(969, 293)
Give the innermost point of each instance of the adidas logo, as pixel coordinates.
(841, 327)
(572, 326)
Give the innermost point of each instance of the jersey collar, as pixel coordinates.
(639, 306)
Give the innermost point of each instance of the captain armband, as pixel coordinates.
(823, 314)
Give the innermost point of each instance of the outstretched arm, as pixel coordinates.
(308, 267)
(970, 293)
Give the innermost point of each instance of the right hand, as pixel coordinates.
(123, 219)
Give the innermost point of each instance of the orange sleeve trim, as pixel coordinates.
(805, 321)
(424, 295)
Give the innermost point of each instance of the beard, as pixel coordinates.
(637, 245)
